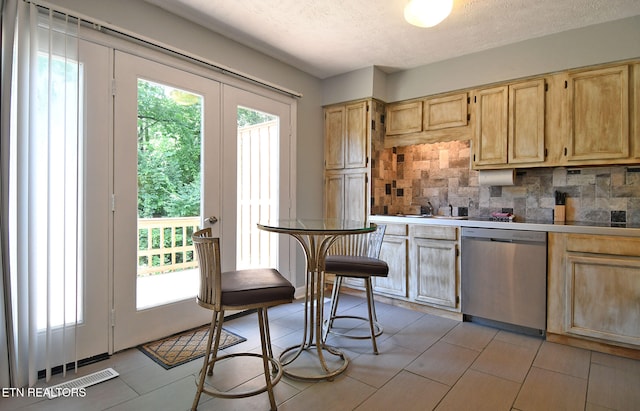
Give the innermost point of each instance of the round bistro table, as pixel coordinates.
(315, 237)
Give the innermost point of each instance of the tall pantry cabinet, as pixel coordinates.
(351, 131)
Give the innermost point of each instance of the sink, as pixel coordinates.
(448, 217)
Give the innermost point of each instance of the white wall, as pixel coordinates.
(617, 40)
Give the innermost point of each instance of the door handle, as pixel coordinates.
(211, 220)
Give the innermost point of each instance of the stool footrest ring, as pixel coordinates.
(376, 327)
(243, 394)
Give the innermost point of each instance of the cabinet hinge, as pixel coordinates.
(382, 119)
(468, 117)
(566, 84)
(113, 87)
(546, 86)
(113, 202)
(565, 151)
(457, 299)
(112, 317)
(475, 99)
(545, 153)
(457, 253)
(468, 100)
(373, 125)
(366, 179)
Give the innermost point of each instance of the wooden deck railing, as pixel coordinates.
(164, 244)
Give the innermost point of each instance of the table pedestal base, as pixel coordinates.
(312, 366)
(312, 359)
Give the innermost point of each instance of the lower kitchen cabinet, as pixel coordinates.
(433, 272)
(594, 288)
(395, 246)
(423, 265)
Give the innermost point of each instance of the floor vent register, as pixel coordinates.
(82, 382)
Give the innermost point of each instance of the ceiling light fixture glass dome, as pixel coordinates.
(427, 13)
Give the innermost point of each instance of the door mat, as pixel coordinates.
(186, 346)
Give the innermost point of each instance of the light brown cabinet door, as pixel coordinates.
(355, 141)
(526, 122)
(593, 288)
(356, 195)
(434, 269)
(346, 142)
(445, 112)
(602, 298)
(394, 251)
(404, 118)
(598, 114)
(635, 119)
(491, 117)
(334, 142)
(434, 265)
(334, 195)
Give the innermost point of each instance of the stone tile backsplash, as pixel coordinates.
(405, 178)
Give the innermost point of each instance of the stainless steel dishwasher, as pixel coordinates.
(504, 278)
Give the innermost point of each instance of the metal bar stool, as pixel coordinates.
(356, 256)
(248, 289)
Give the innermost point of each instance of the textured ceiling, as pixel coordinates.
(329, 37)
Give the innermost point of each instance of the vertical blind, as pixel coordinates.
(45, 196)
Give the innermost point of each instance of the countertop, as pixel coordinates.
(616, 229)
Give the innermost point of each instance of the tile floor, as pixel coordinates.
(425, 363)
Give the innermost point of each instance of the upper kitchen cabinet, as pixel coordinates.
(510, 125)
(491, 122)
(404, 118)
(598, 115)
(526, 122)
(346, 139)
(428, 120)
(445, 112)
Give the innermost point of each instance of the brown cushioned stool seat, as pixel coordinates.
(356, 266)
(254, 286)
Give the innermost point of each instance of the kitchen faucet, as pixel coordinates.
(428, 209)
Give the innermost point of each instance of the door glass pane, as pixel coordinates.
(258, 176)
(169, 181)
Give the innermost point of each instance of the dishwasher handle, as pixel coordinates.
(504, 235)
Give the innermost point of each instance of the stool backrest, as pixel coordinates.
(365, 245)
(208, 253)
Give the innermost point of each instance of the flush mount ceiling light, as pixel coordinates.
(427, 13)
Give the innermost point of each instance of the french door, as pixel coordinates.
(174, 173)
(257, 141)
(154, 288)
